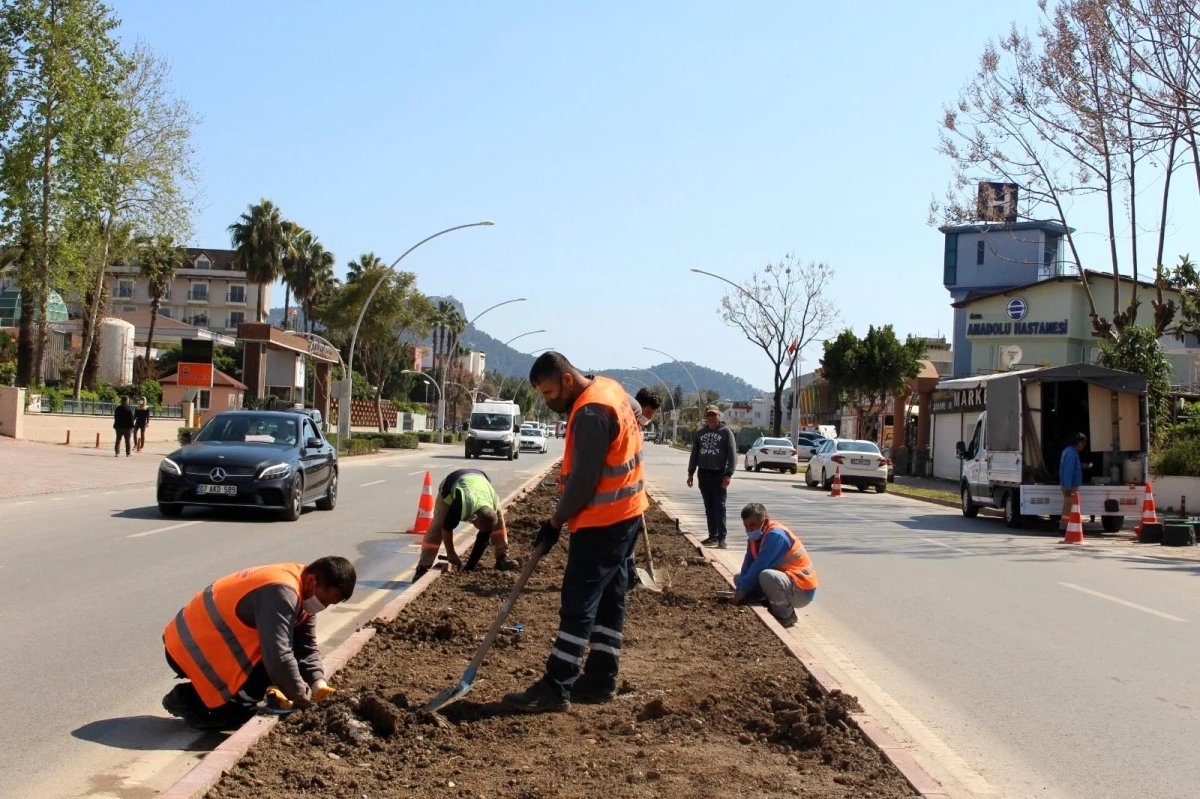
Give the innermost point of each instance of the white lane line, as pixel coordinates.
(57, 499)
(413, 474)
(1133, 605)
(377, 482)
(162, 529)
(946, 546)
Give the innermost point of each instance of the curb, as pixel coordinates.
(920, 780)
(945, 503)
(204, 775)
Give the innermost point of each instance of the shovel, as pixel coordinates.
(647, 577)
(457, 692)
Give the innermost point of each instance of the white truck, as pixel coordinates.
(494, 429)
(1011, 461)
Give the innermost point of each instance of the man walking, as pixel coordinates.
(776, 568)
(465, 494)
(1070, 474)
(602, 500)
(141, 420)
(123, 424)
(714, 455)
(250, 631)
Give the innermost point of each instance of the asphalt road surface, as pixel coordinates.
(1016, 666)
(89, 578)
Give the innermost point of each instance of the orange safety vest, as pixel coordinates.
(621, 492)
(795, 564)
(211, 645)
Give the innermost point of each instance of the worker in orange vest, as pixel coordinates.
(776, 568)
(249, 632)
(602, 500)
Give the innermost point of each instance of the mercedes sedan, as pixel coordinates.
(270, 460)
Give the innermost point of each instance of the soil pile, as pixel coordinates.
(710, 703)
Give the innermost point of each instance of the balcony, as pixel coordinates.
(197, 296)
(200, 320)
(236, 296)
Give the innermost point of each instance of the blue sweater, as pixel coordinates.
(1070, 469)
(774, 546)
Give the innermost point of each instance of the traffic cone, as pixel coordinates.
(837, 483)
(425, 509)
(1075, 525)
(1149, 512)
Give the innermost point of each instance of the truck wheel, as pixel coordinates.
(969, 508)
(1112, 524)
(1012, 510)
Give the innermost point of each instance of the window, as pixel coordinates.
(203, 399)
(199, 320)
(199, 292)
(203, 263)
(128, 308)
(167, 290)
(310, 431)
(125, 289)
(950, 264)
(236, 294)
(979, 248)
(235, 319)
(164, 312)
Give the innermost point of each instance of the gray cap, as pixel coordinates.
(712, 409)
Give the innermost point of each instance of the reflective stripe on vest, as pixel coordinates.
(796, 563)
(620, 493)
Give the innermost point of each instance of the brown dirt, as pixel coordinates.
(710, 703)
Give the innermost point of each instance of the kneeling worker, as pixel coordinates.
(776, 567)
(250, 631)
(465, 494)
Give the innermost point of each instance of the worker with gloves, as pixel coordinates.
(776, 568)
(251, 632)
(602, 500)
(465, 494)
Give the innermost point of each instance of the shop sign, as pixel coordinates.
(960, 400)
(1017, 328)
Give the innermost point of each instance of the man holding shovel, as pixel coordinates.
(603, 498)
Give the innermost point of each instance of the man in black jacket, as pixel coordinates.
(123, 424)
(714, 454)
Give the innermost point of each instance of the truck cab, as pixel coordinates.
(495, 430)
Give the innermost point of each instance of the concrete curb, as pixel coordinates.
(205, 774)
(920, 780)
(945, 503)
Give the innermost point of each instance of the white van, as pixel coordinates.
(495, 429)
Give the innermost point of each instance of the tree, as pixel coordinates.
(296, 240)
(311, 277)
(869, 370)
(365, 263)
(148, 178)
(781, 311)
(158, 257)
(258, 242)
(1138, 351)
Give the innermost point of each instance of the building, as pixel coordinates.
(207, 291)
(226, 394)
(474, 363)
(988, 257)
(939, 354)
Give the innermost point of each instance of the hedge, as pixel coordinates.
(362, 446)
(389, 440)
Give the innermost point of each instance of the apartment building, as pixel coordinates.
(207, 291)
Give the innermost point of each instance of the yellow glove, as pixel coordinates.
(276, 700)
(321, 690)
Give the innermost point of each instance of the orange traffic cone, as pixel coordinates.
(425, 509)
(837, 483)
(1149, 512)
(1075, 525)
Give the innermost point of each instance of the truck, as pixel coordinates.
(1028, 418)
(494, 429)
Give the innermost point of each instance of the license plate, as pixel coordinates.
(488, 449)
(213, 489)
(860, 462)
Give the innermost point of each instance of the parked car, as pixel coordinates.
(861, 463)
(887, 453)
(773, 453)
(649, 435)
(807, 445)
(269, 460)
(533, 439)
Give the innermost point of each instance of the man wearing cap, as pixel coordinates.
(714, 455)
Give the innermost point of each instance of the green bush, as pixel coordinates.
(362, 446)
(107, 393)
(8, 373)
(389, 440)
(424, 436)
(1180, 458)
(182, 430)
(151, 390)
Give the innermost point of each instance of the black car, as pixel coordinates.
(273, 460)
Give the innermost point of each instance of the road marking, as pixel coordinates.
(413, 474)
(377, 482)
(57, 499)
(1133, 605)
(947, 546)
(162, 529)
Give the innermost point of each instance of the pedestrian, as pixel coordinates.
(141, 420)
(714, 455)
(647, 400)
(602, 500)
(248, 632)
(123, 424)
(1070, 474)
(466, 494)
(776, 568)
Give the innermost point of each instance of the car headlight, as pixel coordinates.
(170, 467)
(506, 437)
(275, 472)
(470, 434)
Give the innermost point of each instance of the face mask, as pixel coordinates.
(313, 606)
(753, 533)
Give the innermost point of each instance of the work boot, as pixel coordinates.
(506, 564)
(182, 701)
(711, 541)
(541, 697)
(722, 544)
(589, 691)
(788, 620)
(419, 573)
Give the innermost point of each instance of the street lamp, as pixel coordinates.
(428, 382)
(504, 378)
(531, 352)
(450, 354)
(344, 419)
(681, 366)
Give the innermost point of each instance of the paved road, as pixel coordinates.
(89, 578)
(1020, 668)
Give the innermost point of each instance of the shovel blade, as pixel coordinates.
(447, 696)
(648, 581)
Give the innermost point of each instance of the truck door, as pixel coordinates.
(975, 461)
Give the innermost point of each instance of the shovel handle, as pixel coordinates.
(477, 661)
(646, 547)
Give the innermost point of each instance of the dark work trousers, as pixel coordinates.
(248, 694)
(123, 434)
(593, 605)
(714, 501)
(631, 579)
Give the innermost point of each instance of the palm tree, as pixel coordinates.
(296, 241)
(258, 241)
(159, 257)
(365, 262)
(314, 278)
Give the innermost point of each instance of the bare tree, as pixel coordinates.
(783, 305)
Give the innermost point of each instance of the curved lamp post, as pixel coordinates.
(446, 371)
(428, 380)
(504, 378)
(344, 419)
(679, 363)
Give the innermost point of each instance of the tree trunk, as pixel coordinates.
(92, 373)
(287, 302)
(26, 340)
(259, 303)
(155, 304)
(93, 319)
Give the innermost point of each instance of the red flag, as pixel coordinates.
(793, 346)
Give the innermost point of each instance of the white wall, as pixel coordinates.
(948, 430)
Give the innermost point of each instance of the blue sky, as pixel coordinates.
(616, 146)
